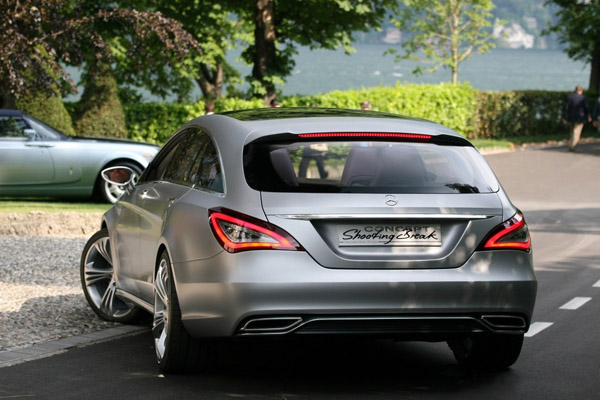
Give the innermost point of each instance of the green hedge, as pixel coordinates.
(519, 113)
(474, 114)
(452, 106)
(156, 122)
(49, 109)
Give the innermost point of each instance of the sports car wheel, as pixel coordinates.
(490, 352)
(112, 193)
(176, 351)
(98, 281)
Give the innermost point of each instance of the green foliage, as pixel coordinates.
(49, 109)
(516, 115)
(521, 113)
(578, 28)
(100, 112)
(213, 25)
(45, 104)
(156, 122)
(452, 106)
(328, 24)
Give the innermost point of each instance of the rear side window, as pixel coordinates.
(206, 171)
(178, 169)
(193, 160)
(366, 167)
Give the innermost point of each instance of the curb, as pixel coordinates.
(53, 347)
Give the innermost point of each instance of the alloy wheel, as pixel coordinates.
(160, 325)
(98, 281)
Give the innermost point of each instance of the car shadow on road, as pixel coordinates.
(341, 367)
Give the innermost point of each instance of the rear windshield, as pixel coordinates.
(366, 167)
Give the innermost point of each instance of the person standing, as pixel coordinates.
(576, 113)
(596, 115)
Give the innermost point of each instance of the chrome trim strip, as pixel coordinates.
(144, 304)
(405, 318)
(383, 216)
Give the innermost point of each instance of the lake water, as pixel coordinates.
(320, 71)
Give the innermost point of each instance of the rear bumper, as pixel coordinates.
(281, 292)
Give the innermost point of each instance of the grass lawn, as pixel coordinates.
(48, 205)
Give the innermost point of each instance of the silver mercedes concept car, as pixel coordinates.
(303, 222)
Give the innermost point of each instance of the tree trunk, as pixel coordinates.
(454, 26)
(211, 82)
(595, 70)
(7, 100)
(264, 46)
(455, 62)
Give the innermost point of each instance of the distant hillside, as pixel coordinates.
(532, 15)
(523, 20)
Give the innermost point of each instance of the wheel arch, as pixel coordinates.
(163, 246)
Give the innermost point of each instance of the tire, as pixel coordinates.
(176, 350)
(98, 281)
(109, 193)
(487, 352)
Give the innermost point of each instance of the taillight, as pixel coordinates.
(512, 234)
(239, 232)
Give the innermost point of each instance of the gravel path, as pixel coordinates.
(40, 292)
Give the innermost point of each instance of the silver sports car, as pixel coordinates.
(303, 222)
(36, 160)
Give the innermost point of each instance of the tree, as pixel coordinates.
(99, 111)
(281, 25)
(444, 32)
(146, 40)
(578, 28)
(37, 35)
(212, 24)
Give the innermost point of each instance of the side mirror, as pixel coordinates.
(119, 176)
(31, 134)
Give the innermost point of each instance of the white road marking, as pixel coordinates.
(537, 327)
(597, 284)
(575, 303)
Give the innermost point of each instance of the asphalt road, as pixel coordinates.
(560, 195)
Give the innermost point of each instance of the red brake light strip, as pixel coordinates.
(412, 136)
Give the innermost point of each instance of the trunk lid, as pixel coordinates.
(369, 231)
